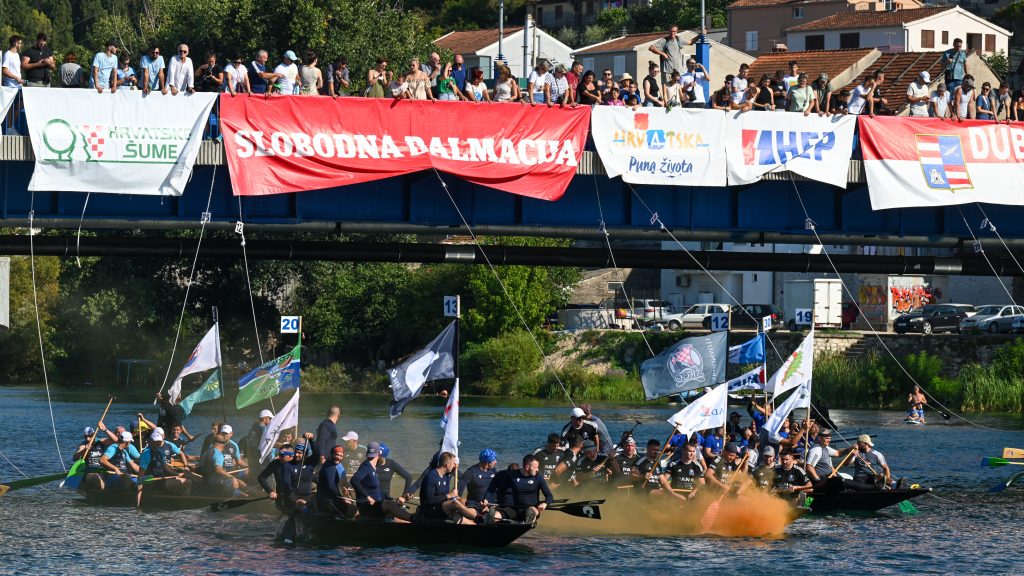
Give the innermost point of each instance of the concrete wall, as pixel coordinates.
(869, 38)
(771, 22)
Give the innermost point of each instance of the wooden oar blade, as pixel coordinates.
(4, 489)
(27, 482)
(583, 510)
(1013, 453)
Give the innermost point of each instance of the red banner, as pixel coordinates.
(296, 143)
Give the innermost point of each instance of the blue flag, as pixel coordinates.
(691, 363)
(749, 352)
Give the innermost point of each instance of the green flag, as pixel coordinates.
(278, 375)
(210, 390)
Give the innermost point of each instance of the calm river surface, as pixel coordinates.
(44, 530)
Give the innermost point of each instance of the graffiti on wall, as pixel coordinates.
(906, 298)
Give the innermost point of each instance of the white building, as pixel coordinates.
(480, 48)
(904, 30)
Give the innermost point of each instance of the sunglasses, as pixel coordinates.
(182, 51)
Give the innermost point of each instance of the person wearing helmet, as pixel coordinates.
(475, 480)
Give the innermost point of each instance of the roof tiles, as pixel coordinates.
(869, 19)
(471, 41)
(902, 68)
(813, 62)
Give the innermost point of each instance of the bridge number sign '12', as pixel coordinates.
(290, 324)
(719, 322)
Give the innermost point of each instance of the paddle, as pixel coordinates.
(588, 509)
(992, 462)
(77, 471)
(907, 508)
(1008, 483)
(1013, 453)
(235, 503)
(711, 513)
(4, 489)
(27, 482)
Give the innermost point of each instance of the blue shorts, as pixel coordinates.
(118, 482)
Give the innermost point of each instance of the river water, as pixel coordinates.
(962, 529)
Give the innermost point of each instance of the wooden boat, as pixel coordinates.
(339, 531)
(861, 501)
(153, 500)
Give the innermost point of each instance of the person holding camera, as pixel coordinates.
(211, 76)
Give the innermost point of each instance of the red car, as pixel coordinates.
(849, 312)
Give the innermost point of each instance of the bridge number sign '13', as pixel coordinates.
(290, 324)
(451, 306)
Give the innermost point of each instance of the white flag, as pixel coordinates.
(801, 398)
(287, 418)
(795, 370)
(706, 412)
(753, 380)
(450, 422)
(203, 358)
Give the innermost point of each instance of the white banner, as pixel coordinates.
(753, 380)
(706, 412)
(680, 147)
(796, 370)
(816, 147)
(123, 143)
(799, 399)
(287, 418)
(7, 96)
(450, 422)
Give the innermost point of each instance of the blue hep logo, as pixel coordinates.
(771, 147)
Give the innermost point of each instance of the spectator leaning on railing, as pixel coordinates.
(181, 74)
(288, 74)
(153, 71)
(104, 68)
(70, 74)
(126, 77)
(938, 104)
(537, 88)
(1003, 103)
(37, 63)
(261, 79)
(211, 76)
(337, 77)
(12, 63)
(918, 96)
(311, 76)
(963, 99)
(236, 77)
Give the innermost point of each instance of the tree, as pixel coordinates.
(19, 347)
(999, 63)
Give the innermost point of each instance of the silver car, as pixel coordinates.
(1018, 325)
(993, 318)
(694, 316)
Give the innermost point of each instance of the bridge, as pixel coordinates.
(768, 211)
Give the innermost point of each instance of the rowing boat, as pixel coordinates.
(339, 531)
(162, 501)
(860, 501)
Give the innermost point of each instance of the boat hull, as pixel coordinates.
(154, 501)
(854, 501)
(334, 531)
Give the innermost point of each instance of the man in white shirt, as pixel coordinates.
(918, 95)
(104, 68)
(793, 78)
(938, 104)
(181, 74)
(860, 98)
(739, 85)
(12, 63)
(691, 82)
(236, 77)
(288, 82)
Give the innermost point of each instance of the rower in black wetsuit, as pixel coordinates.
(331, 484)
(279, 492)
(366, 483)
(477, 478)
(437, 499)
(550, 455)
(526, 485)
(387, 468)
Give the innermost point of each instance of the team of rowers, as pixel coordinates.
(319, 473)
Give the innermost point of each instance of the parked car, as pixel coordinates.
(650, 309)
(849, 315)
(931, 318)
(1018, 325)
(748, 316)
(693, 317)
(993, 318)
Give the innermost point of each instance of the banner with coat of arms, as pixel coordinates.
(123, 143)
(689, 364)
(913, 162)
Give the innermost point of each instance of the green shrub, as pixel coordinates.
(495, 365)
(332, 378)
(989, 388)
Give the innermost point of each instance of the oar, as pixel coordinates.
(1013, 453)
(1008, 483)
(234, 503)
(711, 513)
(992, 462)
(587, 509)
(27, 482)
(3, 489)
(77, 471)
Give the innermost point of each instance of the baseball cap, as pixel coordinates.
(126, 436)
(589, 445)
(925, 76)
(290, 55)
(226, 429)
(89, 431)
(630, 440)
(157, 435)
(265, 414)
(350, 435)
(732, 447)
(578, 413)
(865, 439)
(372, 450)
(384, 450)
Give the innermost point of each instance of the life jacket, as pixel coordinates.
(159, 459)
(120, 459)
(92, 459)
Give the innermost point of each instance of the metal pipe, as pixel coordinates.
(505, 255)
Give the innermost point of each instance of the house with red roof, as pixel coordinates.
(480, 48)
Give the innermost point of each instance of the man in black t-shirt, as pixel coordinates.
(37, 62)
(549, 455)
(579, 425)
(590, 468)
(645, 474)
(764, 475)
(721, 471)
(686, 475)
(790, 479)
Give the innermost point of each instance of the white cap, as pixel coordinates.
(350, 435)
(126, 436)
(265, 414)
(924, 76)
(226, 429)
(578, 413)
(157, 435)
(159, 429)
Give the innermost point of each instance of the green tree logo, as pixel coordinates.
(60, 138)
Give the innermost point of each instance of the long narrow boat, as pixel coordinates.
(856, 501)
(157, 501)
(336, 531)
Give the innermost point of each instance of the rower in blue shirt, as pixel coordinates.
(475, 480)
(437, 499)
(155, 462)
(330, 485)
(366, 484)
(118, 461)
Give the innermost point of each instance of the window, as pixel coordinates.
(849, 40)
(945, 37)
(588, 63)
(754, 277)
(973, 42)
(990, 43)
(798, 12)
(558, 13)
(751, 41)
(814, 42)
(927, 38)
(618, 65)
(590, 9)
(614, 286)
(540, 15)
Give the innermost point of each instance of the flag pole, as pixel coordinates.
(455, 368)
(295, 434)
(220, 365)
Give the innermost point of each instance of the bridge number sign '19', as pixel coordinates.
(804, 316)
(290, 324)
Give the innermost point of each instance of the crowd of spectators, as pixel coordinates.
(672, 81)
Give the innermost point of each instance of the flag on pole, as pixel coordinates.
(450, 423)
(280, 374)
(795, 370)
(210, 390)
(753, 380)
(204, 357)
(706, 412)
(749, 352)
(434, 362)
(691, 363)
(287, 417)
(801, 398)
